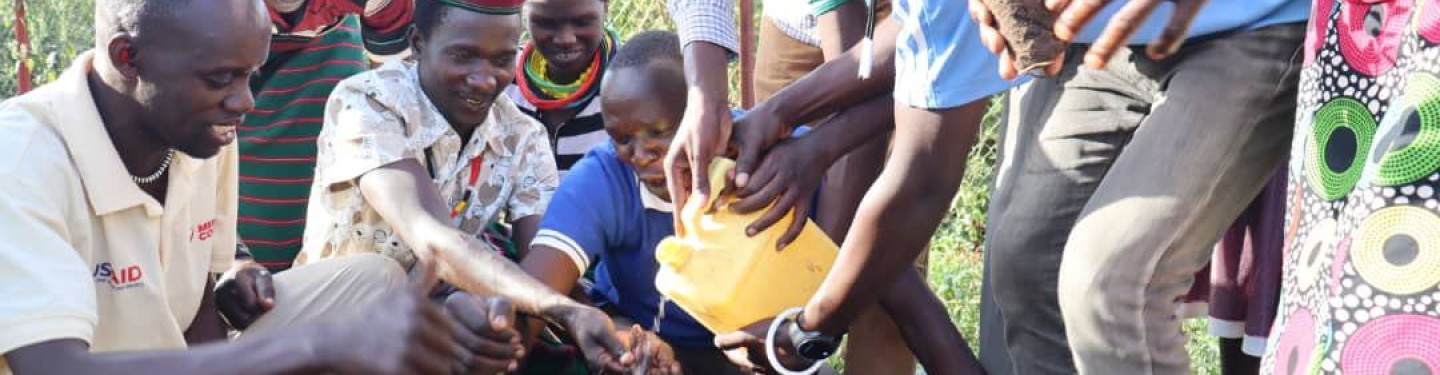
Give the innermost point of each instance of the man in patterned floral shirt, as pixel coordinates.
(418, 156)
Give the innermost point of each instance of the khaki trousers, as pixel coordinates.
(329, 288)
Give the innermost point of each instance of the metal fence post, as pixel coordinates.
(22, 40)
(747, 53)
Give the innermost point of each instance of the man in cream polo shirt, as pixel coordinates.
(119, 206)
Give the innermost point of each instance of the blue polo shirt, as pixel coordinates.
(602, 214)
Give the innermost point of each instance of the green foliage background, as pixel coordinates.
(59, 30)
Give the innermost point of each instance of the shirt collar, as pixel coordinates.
(651, 201)
(107, 182)
(491, 132)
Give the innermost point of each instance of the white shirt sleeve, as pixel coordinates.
(711, 21)
(46, 289)
(226, 210)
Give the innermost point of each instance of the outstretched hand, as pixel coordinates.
(1073, 15)
(594, 333)
(702, 136)
(653, 355)
(755, 132)
(788, 177)
(484, 330)
(751, 340)
(245, 294)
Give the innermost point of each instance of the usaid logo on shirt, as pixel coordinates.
(119, 277)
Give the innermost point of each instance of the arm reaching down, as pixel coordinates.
(705, 127)
(842, 28)
(523, 233)
(826, 90)
(404, 195)
(792, 169)
(899, 213)
(708, 40)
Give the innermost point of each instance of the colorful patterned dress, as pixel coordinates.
(1362, 265)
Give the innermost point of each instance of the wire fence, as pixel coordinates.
(629, 17)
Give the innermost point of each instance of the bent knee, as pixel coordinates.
(370, 270)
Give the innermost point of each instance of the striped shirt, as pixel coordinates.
(383, 23)
(308, 57)
(572, 139)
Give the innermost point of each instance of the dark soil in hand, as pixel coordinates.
(1029, 34)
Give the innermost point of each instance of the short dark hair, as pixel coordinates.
(656, 56)
(429, 13)
(647, 47)
(132, 16)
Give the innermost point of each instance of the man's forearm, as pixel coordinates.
(476, 269)
(266, 355)
(552, 267)
(852, 127)
(403, 194)
(842, 28)
(207, 326)
(706, 75)
(926, 327)
(836, 83)
(473, 266)
(900, 212)
(522, 232)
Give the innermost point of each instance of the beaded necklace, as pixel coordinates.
(547, 95)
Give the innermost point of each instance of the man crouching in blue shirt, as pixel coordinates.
(613, 207)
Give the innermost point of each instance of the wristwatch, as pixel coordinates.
(811, 345)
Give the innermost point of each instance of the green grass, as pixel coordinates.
(955, 277)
